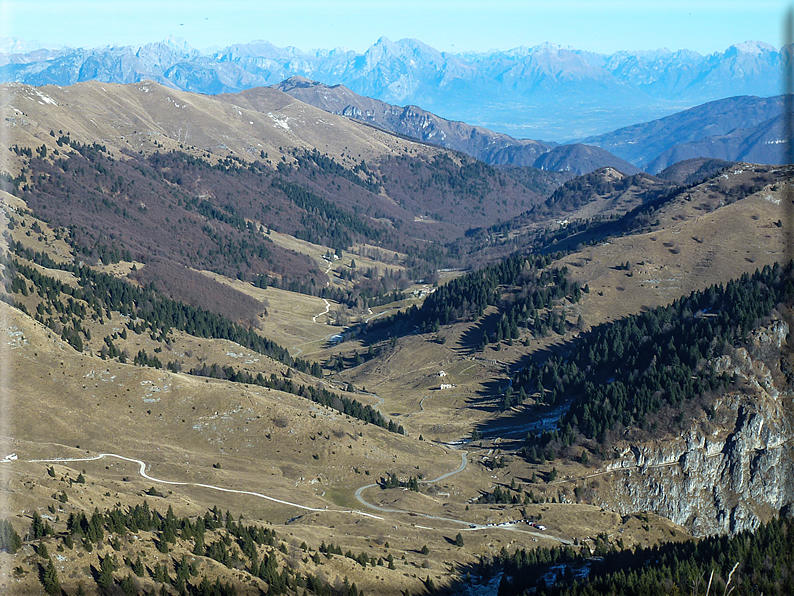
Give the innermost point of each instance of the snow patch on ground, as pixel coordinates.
(46, 99)
(249, 358)
(173, 101)
(17, 338)
(279, 121)
(152, 389)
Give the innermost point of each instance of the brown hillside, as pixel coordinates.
(142, 116)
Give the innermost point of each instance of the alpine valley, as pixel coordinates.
(266, 333)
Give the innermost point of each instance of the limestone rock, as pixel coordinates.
(726, 480)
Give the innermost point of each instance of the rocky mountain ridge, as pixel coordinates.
(415, 122)
(491, 147)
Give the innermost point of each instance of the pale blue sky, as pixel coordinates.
(466, 25)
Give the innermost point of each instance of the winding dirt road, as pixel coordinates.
(380, 314)
(464, 462)
(297, 348)
(325, 312)
(142, 466)
(469, 525)
(142, 471)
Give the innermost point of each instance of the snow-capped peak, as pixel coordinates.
(754, 47)
(14, 45)
(179, 44)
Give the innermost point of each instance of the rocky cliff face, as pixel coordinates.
(733, 468)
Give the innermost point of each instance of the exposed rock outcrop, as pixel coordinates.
(731, 469)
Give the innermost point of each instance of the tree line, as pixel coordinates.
(324, 222)
(105, 293)
(758, 562)
(467, 297)
(621, 373)
(323, 397)
(314, 159)
(248, 548)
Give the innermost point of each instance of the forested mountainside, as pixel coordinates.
(160, 199)
(741, 564)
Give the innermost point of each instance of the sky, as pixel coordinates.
(603, 26)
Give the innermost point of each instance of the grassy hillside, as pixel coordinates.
(393, 389)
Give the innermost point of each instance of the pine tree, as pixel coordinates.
(137, 567)
(128, 586)
(159, 573)
(37, 529)
(107, 566)
(9, 539)
(49, 578)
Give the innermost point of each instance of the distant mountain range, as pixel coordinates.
(734, 129)
(543, 92)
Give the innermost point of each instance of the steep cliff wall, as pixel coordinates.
(733, 467)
